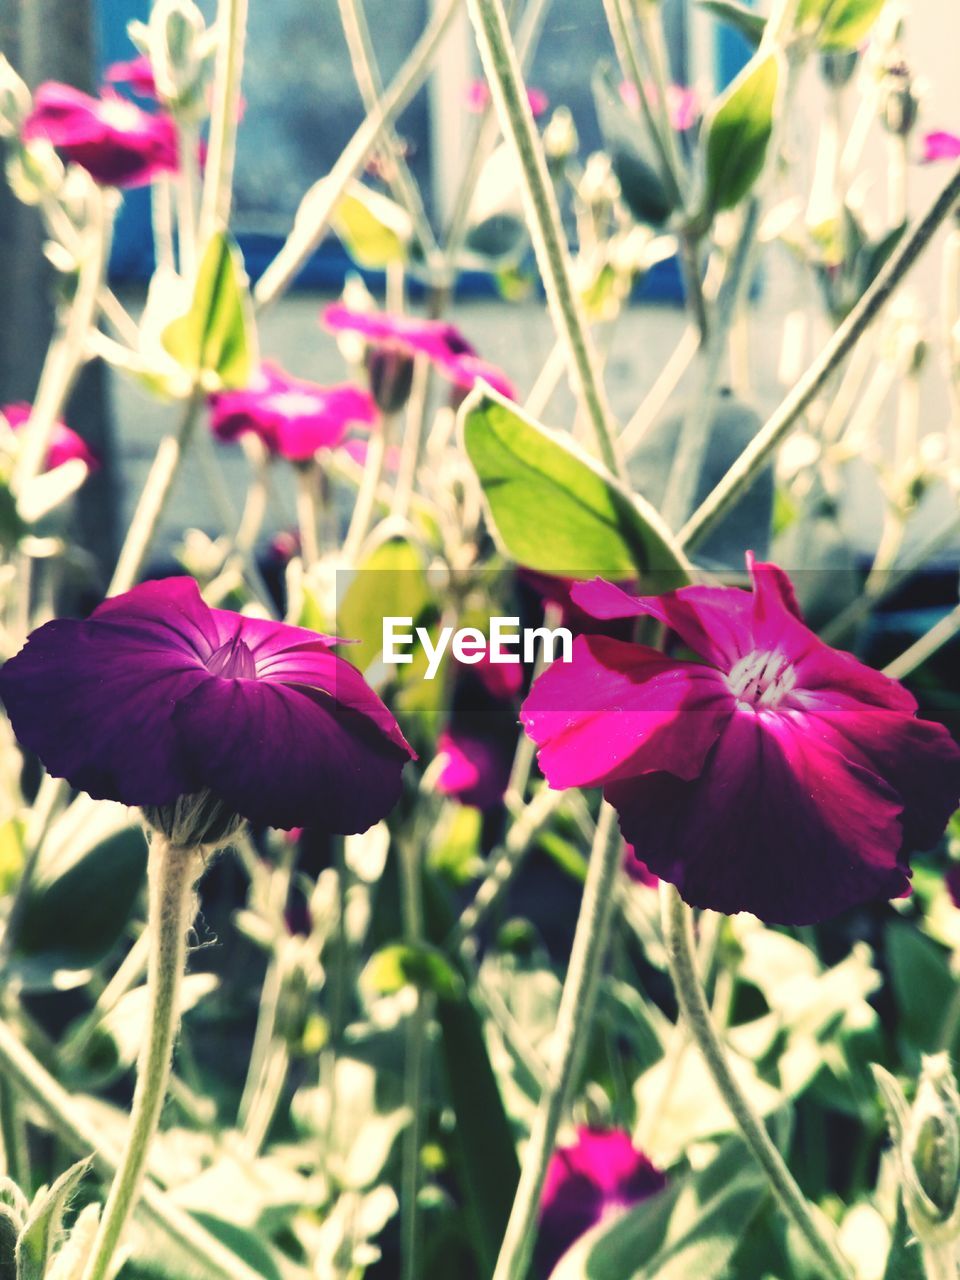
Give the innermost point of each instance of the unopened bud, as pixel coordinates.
(560, 140)
(390, 370)
(14, 100)
(599, 185)
(898, 101)
(179, 49)
(837, 67)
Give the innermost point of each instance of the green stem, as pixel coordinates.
(543, 217)
(81, 1135)
(172, 873)
(365, 506)
(218, 179)
(313, 217)
(755, 457)
(411, 893)
(153, 500)
(574, 1022)
(678, 937)
(940, 1261)
(307, 519)
(923, 650)
(16, 1153)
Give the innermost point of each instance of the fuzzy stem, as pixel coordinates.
(365, 506)
(310, 225)
(218, 180)
(574, 1021)
(172, 873)
(940, 1261)
(153, 500)
(754, 458)
(543, 218)
(307, 518)
(678, 936)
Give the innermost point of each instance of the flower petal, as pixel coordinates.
(619, 708)
(288, 756)
(167, 613)
(778, 824)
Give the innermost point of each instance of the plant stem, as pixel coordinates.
(153, 500)
(754, 458)
(218, 180)
(574, 1022)
(81, 1135)
(365, 506)
(678, 936)
(940, 1261)
(172, 872)
(307, 521)
(543, 217)
(313, 216)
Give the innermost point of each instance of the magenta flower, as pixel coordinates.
(940, 145)
(293, 418)
(156, 696)
(637, 870)
(477, 96)
(65, 444)
(683, 103)
(136, 74)
(440, 342)
(773, 775)
(598, 1174)
(474, 769)
(115, 141)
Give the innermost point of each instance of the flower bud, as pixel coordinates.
(560, 140)
(390, 370)
(14, 100)
(899, 104)
(837, 67)
(926, 1138)
(179, 50)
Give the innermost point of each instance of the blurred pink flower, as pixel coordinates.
(683, 103)
(136, 74)
(440, 342)
(940, 145)
(477, 96)
(65, 444)
(637, 870)
(117, 143)
(475, 770)
(292, 417)
(599, 1173)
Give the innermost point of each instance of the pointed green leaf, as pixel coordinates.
(748, 22)
(374, 230)
(838, 24)
(214, 339)
(41, 1232)
(738, 132)
(557, 510)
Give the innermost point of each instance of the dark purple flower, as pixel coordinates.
(156, 696)
(115, 141)
(440, 342)
(293, 418)
(601, 1172)
(637, 870)
(136, 74)
(940, 145)
(474, 770)
(477, 96)
(775, 775)
(65, 444)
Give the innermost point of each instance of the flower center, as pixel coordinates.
(762, 679)
(294, 404)
(119, 115)
(233, 661)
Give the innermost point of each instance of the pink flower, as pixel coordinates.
(599, 1173)
(474, 770)
(774, 775)
(440, 342)
(477, 96)
(293, 418)
(683, 103)
(136, 74)
(65, 445)
(502, 680)
(940, 145)
(116, 142)
(358, 448)
(637, 870)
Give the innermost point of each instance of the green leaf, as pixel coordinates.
(738, 132)
(748, 22)
(41, 1232)
(12, 525)
(922, 988)
(555, 509)
(214, 339)
(391, 582)
(905, 1259)
(375, 231)
(838, 24)
(403, 964)
(90, 876)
